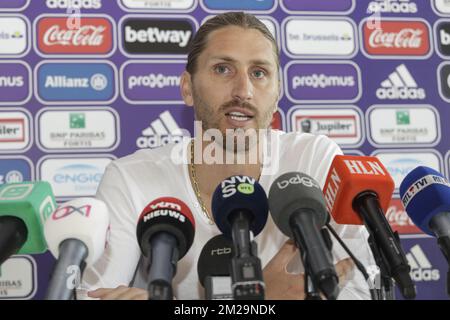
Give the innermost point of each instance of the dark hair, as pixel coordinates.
(239, 19)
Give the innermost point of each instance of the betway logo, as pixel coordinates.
(323, 81)
(156, 35)
(364, 167)
(164, 213)
(392, 6)
(161, 132)
(421, 268)
(74, 4)
(307, 182)
(11, 82)
(153, 80)
(400, 85)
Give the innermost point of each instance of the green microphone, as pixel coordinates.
(23, 208)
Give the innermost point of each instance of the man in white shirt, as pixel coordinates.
(232, 80)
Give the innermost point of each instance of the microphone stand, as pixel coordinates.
(386, 290)
(311, 292)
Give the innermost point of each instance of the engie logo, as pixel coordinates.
(318, 81)
(421, 267)
(399, 219)
(15, 130)
(76, 82)
(152, 82)
(343, 125)
(161, 132)
(73, 177)
(14, 36)
(15, 83)
(156, 36)
(396, 38)
(241, 5)
(242, 184)
(392, 6)
(74, 4)
(15, 170)
(91, 35)
(400, 85)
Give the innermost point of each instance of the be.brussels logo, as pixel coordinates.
(399, 219)
(15, 130)
(442, 37)
(395, 38)
(444, 80)
(401, 162)
(342, 124)
(156, 36)
(157, 5)
(15, 170)
(241, 5)
(152, 82)
(398, 125)
(319, 38)
(77, 129)
(73, 176)
(74, 4)
(66, 36)
(76, 82)
(315, 81)
(15, 82)
(13, 5)
(161, 131)
(14, 36)
(318, 6)
(18, 278)
(400, 85)
(392, 6)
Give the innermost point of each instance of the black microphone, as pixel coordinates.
(213, 268)
(240, 207)
(298, 209)
(165, 232)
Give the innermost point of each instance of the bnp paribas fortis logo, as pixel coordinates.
(403, 117)
(77, 121)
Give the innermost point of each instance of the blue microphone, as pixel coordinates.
(425, 194)
(240, 208)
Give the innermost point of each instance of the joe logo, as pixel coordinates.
(322, 82)
(76, 83)
(63, 212)
(15, 83)
(14, 36)
(258, 5)
(396, 38)
(57, 36)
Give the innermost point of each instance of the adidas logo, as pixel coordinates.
(160, 132)
(400, 85)
(392, 6)
(421, 268)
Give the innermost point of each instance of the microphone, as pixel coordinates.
(23, 207)
(214, 266)
(240, 208)
(298, 209)
(165, 232)
(357, 191)
(425, 194)
(76, 234)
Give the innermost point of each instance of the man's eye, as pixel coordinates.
(259, 74)
(222, 69)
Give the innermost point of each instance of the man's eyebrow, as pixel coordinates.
(254, 61)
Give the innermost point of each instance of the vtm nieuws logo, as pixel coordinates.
(396, 38)
(58, 35)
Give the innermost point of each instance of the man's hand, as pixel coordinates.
(119, 293)
(281, 285)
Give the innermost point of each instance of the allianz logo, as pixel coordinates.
(153, 80)
(74, 4)
(421, 267)
(400, 85)
(156, 35)
(392, 6)
(12, 82)
(323, 81)
(97, 82)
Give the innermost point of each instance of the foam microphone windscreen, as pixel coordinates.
(294, 191)
(170, 215)
(240, 193)
(425, 193)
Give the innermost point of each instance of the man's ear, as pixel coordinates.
(186, 88)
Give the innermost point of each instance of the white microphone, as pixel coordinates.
(76, 234)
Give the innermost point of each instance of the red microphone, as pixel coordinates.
(358, 190)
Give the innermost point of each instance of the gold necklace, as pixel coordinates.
(197, 189)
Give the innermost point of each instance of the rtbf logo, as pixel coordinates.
(92, 36)
(396, 38)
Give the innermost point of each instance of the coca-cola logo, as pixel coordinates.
(61, 36)
(399, 219)
(396, 38)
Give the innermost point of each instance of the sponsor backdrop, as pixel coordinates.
(77, 93)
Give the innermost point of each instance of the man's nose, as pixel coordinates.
(242, 87)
